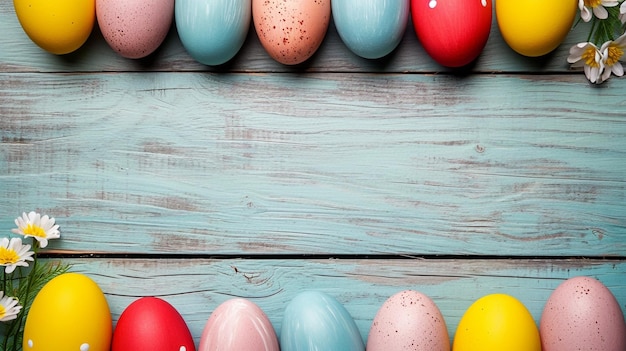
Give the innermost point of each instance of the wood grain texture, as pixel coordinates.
(318, 163)
(18, 53)
(196, 287)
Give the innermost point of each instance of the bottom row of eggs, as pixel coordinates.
(71, 313)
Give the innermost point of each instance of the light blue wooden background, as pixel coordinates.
(360, 178)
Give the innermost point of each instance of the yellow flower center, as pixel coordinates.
(3, 311)
(589, 56)
(34, 230)
(8, 256)
(593, 3)
(615, 53)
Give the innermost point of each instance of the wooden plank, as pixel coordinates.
(18, 53)
(196, 287)
(317, 163)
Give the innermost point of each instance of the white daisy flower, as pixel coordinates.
(9, 308)
(589, 57)
(622, 12)
(38, 227)
(13, 254)
(612, 53)
(589, 8)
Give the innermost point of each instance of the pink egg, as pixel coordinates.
(291, 31)
(582, 314)
(408, 320)
(238, 324)
(134, 28)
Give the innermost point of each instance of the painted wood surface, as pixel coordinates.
(251, 164)
(199, 183)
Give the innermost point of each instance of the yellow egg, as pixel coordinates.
(497, 322)
(57, 26)
(69, 313)
(535, 27)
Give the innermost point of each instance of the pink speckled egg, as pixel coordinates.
(134, 28)
(582, 314)
(408, 320)
(291, 31)
(238, 324)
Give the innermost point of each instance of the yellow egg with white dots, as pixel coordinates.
(535, 27)
(70, 313)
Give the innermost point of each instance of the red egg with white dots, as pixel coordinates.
(453, 32)
(291, 31)
(582, 314)
(408, 320)
(151, 323)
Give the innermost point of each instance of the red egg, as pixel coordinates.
(453, 32)
(150, 323)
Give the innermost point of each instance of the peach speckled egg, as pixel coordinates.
(408, 320)
(238, 324)
(582, 314)
(291, 31)
(134, 28)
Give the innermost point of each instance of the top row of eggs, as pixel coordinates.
(453, 32)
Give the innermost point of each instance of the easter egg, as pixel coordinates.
(497, 322)
(371, 28)
(134, 28)
(582, 314)
(69, 313)
(291, 31)
(213, 31)
(238, 324)
(314, 320)
(151, 323)
(57, 26)
(452, 32)
(408, 320)
(535, 27)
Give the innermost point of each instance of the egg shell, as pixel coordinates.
(453, 32)
(408, 320)
(371, 28)
(69, 313)
(238, 324)
(314, 320)
(213, 31)
(291, 31)
(151, 323)
(134, 28)
(582, 314)
(57, 26)
(497, 322)
(535, 27)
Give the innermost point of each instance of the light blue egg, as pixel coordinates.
(213, 31)
(315, 321)
(371, 28)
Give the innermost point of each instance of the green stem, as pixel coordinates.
(4, 289)
(26, 302)
(593, 27)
